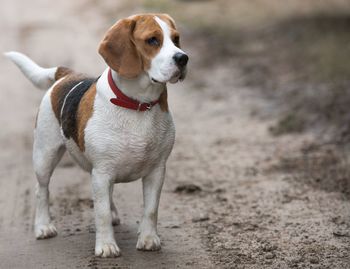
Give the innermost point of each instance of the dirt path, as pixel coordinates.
(246, 214)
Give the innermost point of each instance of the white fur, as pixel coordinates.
(42, 78)
(48, 149)
(121, 145)
(163, 67)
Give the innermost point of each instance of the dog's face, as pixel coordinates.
(145, 43)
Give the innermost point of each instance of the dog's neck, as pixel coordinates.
(140, 89)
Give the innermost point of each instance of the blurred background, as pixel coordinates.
(259, 176)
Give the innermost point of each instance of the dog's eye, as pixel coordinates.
(176, 40)
(153, 41)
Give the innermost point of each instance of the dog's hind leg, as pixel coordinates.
(115, 216)
(47, 151)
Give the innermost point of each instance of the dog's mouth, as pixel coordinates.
(177, 76)
(156, 81)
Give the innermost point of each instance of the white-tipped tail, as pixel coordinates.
(43, 78)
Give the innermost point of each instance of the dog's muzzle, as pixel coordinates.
(181, 60)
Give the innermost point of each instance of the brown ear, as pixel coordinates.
(118, 50)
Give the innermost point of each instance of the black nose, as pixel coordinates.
(180, 59)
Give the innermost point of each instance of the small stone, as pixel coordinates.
(187, 188)
(341, 232)
(173, 226)
(270, 255)
(201, 217)
(269, 247)
(221, 198)
(314, 260)
(227, 246)
(219, 190)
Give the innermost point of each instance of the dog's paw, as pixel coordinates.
(148, 242)
(43, 231)
(107, 250)
(115, 218)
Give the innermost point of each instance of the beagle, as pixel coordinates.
(117, 127)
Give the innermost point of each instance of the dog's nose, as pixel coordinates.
(180, 59)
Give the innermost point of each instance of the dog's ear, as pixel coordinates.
(119, 51)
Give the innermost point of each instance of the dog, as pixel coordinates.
(117, 127)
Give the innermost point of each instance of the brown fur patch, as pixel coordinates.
(163, 101)
(85, 111)
(147, 27)
(62, 72)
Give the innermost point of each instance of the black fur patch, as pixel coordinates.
(62, 92)
(70, 109)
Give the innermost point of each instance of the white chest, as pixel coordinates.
(127, 143)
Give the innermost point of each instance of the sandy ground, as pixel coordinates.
(244, 213)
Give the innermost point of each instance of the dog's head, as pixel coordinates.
(146, 43)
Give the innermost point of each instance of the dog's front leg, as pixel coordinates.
(152, 185)
(105, 242)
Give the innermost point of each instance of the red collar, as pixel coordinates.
(125, 101)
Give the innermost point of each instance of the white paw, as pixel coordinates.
(107, 250)
(115, 218)
(43, 231)
(148, 242)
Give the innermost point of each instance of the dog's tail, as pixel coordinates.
(43, 78)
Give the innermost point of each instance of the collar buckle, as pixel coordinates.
(148, 106)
